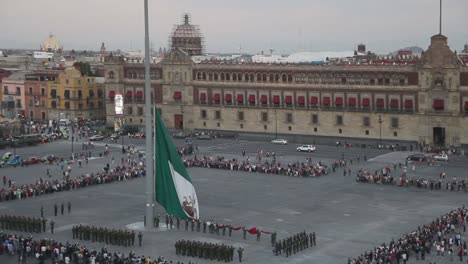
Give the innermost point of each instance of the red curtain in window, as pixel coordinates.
(228, 98)
(314, 100)
(380, 102)
(394, 103)
(301, 100)
(216, 97)
(139, 94)
(288, 99)
(466, 105)
(240, 98)
(438, 104)
(203, 97)
(112, 94)
(408, 104)
(326, 101)
(264, 99)
(129, 94)
(276, 99)
(352, 101)
(339, 101)
(366, 102)
(177, 95)
(252, 99)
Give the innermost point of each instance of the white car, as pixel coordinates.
(306, 148)
(441, 157)
(96, 138)
(279, 141)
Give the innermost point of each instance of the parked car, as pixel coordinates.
(441, 157)
(16, 160)
(7, 156)
(48, 158)
(32, 160)
(417, 157)
(96, 138)
(306, 148)
(114, 136)
(279, 141)
(204, 137)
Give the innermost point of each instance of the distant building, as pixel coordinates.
(73, 96)
(396, 98)
(36, 94)
(187, 37)
(51, 44)
(13, 95)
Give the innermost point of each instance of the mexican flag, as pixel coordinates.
(174, 188)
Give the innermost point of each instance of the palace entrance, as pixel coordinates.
(439, 136)
(179, 122)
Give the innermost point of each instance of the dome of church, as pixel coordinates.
(186, 30)
(187, 37)
(51, 44)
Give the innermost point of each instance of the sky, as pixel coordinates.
(254, 25)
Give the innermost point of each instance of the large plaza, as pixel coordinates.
(348, 217)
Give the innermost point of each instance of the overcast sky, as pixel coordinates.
(256, 25)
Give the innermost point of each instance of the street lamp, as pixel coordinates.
(276, 124)
(380, 130)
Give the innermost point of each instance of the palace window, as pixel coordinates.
(315, 119)
(217, 114)
(289, 118)
(264, 117)
(394, 122)
(240, 116)
(366, 121)
(203, 113)
(339, 120)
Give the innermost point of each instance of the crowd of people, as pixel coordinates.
(442, 235)
(296, 169)
(23, 223)
(295, 243)
(41, 187)
(383, 176)
(206, 250)
(117, 237)
(48, 249)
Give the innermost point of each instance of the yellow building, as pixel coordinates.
(75, 97)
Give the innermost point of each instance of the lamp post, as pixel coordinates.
(73, 139)
(276, 124)
(380, 130)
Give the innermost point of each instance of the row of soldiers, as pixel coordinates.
(213, 228)
(23, 223)
(294, 244)
(109, 236)
(207, 250)
(195, 224)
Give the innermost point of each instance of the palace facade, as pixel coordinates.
(422, 100)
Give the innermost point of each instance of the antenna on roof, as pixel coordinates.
(440, 19)
(271, 51)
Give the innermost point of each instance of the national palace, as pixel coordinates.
(422, 99)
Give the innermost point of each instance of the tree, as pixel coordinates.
(84, 68)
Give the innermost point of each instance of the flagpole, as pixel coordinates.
(149, 132)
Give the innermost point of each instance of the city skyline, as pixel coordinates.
(229, 26)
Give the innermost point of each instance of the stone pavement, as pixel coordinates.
(348, 217)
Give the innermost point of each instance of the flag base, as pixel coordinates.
(140, 226)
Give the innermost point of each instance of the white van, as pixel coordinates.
(64, 122)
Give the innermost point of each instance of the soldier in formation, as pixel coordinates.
(294, 244)
(116, 237)
(205, 250)
(21, 223)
